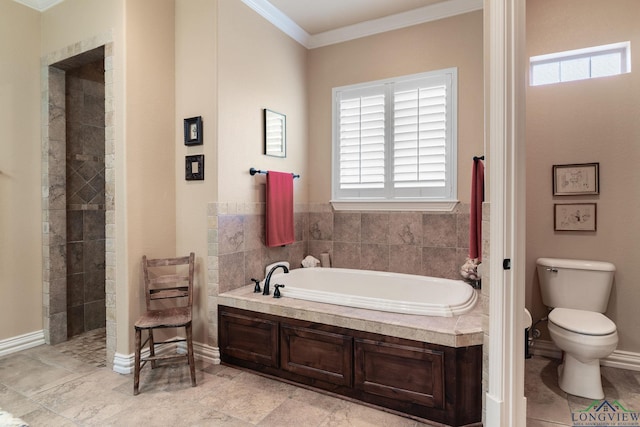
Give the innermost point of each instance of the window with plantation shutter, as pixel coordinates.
(395, 139)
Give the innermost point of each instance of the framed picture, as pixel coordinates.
(275, 134)
(193, 131)
(577, 179)
(194, 168)
(574, 217)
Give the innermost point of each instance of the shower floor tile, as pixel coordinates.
(89, 347)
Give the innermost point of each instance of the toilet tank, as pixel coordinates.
(574, 283)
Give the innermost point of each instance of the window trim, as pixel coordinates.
(395, 205)
(445, 203)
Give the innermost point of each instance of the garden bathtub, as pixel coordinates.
(391, 292)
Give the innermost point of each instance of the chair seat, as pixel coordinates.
(165, 318)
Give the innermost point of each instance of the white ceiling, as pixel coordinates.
(40, 5)
(318, 16)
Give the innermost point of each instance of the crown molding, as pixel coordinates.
(280, 20)
(39, 5)
(421, 15)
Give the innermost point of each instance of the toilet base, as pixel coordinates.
(580, 379)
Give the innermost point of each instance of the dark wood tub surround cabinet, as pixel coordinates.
(248, 337)
(410, 374)
(316, 354)
(430, 381)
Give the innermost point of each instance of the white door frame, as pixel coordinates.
(505, 88)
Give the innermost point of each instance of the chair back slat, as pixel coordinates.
(164, 262)
(168, 278)
(157, 284)
(166, 293)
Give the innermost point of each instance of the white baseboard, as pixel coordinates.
(21, 342)
(201, 351)
(206, 353)
(623, 359)
(545, 348)
(618, 359)
(494, 408)
(123, 363)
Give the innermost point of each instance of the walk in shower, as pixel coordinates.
(75, 202)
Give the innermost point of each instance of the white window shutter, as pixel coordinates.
(395, 139)
(361, 140)
(420, 130)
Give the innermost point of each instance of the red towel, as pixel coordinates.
(475, 223)
(279, 220)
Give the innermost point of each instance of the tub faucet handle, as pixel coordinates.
(256, 289)
(276, 293)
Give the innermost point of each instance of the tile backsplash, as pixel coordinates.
(431, 244)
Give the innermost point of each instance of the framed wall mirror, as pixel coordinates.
(275, 134)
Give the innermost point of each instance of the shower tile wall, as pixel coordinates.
(85, 92)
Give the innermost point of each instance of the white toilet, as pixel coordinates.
(578, 293)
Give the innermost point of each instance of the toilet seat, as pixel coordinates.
(582, 322)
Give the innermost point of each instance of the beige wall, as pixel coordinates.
(580, 122)
(452, 42)
(196, 95)
(20, 194)
(259, 67)
(149, 144)
(72, 21)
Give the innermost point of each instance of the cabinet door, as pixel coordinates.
(405, 372)
(253, 339)
(318, 354)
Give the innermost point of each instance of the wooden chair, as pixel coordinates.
(165, 284)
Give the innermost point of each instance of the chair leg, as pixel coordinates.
(152, 349)
(136, 375)
(192, 365)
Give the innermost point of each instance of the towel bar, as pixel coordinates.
(254, 171)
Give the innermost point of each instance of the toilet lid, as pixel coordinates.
(582, 322)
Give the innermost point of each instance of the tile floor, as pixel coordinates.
(66, 385)
(549, 406)
(69, 385)
(89, 347)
